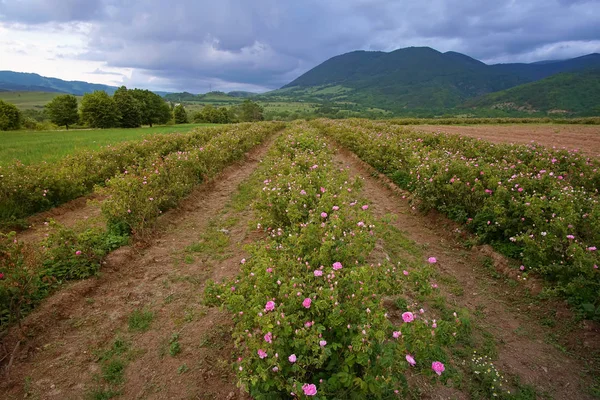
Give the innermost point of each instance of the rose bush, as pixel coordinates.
(532, 203)
(308, 310)
(28, 189)
(136, 197)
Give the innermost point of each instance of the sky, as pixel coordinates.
(260, 45)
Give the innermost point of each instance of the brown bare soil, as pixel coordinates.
(61, 340)
(585, 138)
(503, 309)
(84, 211)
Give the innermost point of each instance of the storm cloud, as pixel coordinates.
(264, 44)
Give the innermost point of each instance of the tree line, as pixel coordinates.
(127, 108)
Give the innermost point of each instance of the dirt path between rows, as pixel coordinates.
(522, 350)
(83, 211)
(584, 138)
(71, 330)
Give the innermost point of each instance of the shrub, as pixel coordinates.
(307, 308)
(27, 189)
(10, 116)
(28, 274)
(536, 204)
(138, 196)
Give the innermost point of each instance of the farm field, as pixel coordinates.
(31, 147)
(268, 106)
(585, 138)
(30, 100)
(299, 259)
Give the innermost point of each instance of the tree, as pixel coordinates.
(99, 110)
(250, 111)
(63, 110)
(180, 114)
(155, 110)
(10, 116)
(129, 108)
(220, 115)
(223, 116)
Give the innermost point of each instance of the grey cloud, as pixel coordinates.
(99, 71)
(192, 44)
(42, 11)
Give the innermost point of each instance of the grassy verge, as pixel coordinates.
(32, 147)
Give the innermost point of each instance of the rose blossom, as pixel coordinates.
(438, 367)
(408, 317)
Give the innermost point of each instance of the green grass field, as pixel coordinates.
(32, 147)
(29, 100)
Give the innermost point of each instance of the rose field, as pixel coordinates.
(327, 259)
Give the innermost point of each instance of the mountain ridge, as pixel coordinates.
(31, 82)
(415, 78)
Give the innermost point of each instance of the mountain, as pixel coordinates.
(26, 82)
(574, 93)
(179, 97)
(543, 69)
(11, 81)
(415, 78)
(241, 93)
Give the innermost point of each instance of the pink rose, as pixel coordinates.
(309, 390)
(438, 367)
(365, 207)
(323, 215)
(269, 337)
(78, 252)
(318, 272)
(306, 303)
(270, 306)
(322, 343)
(292, 358)
(396, 334)
(337, 265)
(261, 353)
(432, 260)
(410, 360)
(408, 317)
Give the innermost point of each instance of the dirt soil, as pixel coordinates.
(520, 338)
(83, 211)
(585, 138)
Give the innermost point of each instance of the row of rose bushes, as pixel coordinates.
(308, 312)
(28, 189)
(137, 196)
(29, 272)
(535, 204)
